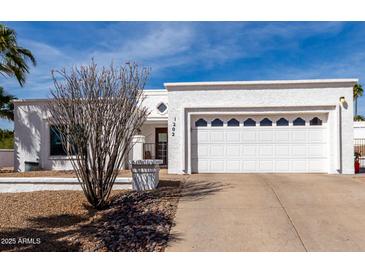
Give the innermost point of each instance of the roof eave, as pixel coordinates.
(263, 84)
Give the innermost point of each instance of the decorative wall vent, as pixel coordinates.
(162, 107)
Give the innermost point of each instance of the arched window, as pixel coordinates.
(266, 122)
(217, 123)
(201, 123)
(299, 122)
(249, 123)
(233, 123)
(282, 122)
(315, 122)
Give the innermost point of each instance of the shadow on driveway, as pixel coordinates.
(134, 221)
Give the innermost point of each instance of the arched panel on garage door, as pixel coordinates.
(279, 143)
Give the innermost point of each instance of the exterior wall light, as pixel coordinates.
(342, 100)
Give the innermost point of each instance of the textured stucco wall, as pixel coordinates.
(31, 141)
(185, 100)
(152, 100)
(32, 131)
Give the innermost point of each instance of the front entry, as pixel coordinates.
(161, 145)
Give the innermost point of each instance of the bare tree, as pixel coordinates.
(96, 112)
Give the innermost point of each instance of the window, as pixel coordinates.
(201, 123)
(217, 123)
(233, 123)
(266, 122)
(299, 122)
(162, 107)
(249, 123)
(315, 122)
(56, 148)
(282, 122)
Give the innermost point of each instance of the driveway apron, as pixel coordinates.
(270, 212)
(231, 212)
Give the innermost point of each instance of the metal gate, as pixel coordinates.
(150, 150)
(359, 147)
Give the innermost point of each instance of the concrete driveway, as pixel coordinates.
(270, 212)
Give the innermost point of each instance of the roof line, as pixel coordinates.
(264, 82)
(155, 90)
(42, 100)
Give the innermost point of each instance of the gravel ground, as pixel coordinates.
(63, 221)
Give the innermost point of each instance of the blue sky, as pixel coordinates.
(194, 51)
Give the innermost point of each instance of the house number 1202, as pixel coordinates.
(173, 128)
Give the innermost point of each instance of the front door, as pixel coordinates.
(161, 145)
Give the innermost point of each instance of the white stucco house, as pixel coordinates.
(299, 126)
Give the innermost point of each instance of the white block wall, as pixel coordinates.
(31, 129)
(185, 100)
(359, 130)
(6, 158)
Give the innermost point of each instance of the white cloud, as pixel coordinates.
(165, 46)
(158, 46)
(195, 46)
(41, 49)
(168, 45)
(39, 80)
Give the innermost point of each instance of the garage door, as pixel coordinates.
(276, 143)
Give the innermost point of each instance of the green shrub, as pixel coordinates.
(6, 139)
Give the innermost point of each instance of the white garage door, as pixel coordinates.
(276, 143)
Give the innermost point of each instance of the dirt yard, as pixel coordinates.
(63, 220)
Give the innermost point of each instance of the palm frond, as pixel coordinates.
(13, 58)
(358, 91)
(26, 53)
(6, 105)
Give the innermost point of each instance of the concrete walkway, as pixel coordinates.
(270, 212)
(28, 184)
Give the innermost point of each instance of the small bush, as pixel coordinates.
(6, 139)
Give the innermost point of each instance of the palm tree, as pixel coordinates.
(358, 91)
(6, 106)
(359, 118)
(13, 59)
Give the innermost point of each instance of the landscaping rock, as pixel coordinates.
(63, 221)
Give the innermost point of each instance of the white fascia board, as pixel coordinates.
(30, 101)
(148, 92)
(269, 82)
(310, 83)
(155, 91)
